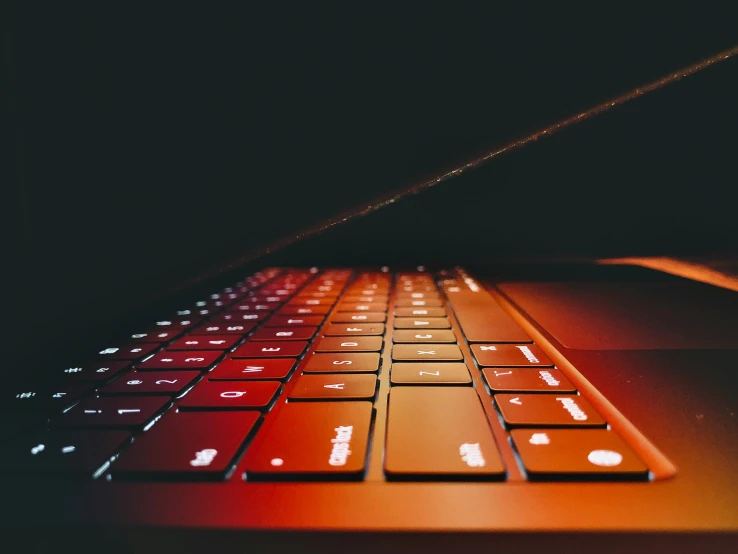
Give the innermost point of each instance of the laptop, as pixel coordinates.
(469, 359)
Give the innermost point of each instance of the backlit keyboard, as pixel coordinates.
(302, 374)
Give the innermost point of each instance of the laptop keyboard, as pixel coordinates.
(280, 377)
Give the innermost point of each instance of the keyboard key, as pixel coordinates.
(368, 292)
(425, 336)
(303, 310)
(198, 359)
(151, 382)
(422, 303)
(130, 352)
(31, 399)
(311, 302)
(547, 410)
(187, 445)
(254, 307)
(355, 317)
(426, 352)
(239, 329)
(317, 439)
(177, 323)
(253, 369)
(416, 288)
(200, 342)
(334, 387)
(430, 374)
(285, 349)
(354, 299)
(230, 395)
(576, 454)
(283, 333)
(197, 312)
(420, 295)
(85, 453)
(129, 412)
(527, 380)
(157, 336)
(294, 321)
(362, 308)
(438, 433)
(327, 291)
(239, 318)
(349, 344)
(420, 312)
(99, 373)
(212, 305)
(351, 329)
(422, 323)
(342, 363)
(481, 318)
(509, 355)
(259, 299)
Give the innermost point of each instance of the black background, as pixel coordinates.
(149, 141)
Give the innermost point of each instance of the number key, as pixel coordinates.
(225, 328)
(130, 352)
(158, 336)
(180, 360)
(150, 382)
(129, 412)
(213, 342)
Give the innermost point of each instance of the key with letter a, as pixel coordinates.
(334, 387)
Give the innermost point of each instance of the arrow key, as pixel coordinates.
(334, 387)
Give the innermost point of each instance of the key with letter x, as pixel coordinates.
(438, 352)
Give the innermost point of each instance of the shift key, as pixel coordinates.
(318, 439)
(439, 433)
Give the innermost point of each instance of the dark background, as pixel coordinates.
(148, 141)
